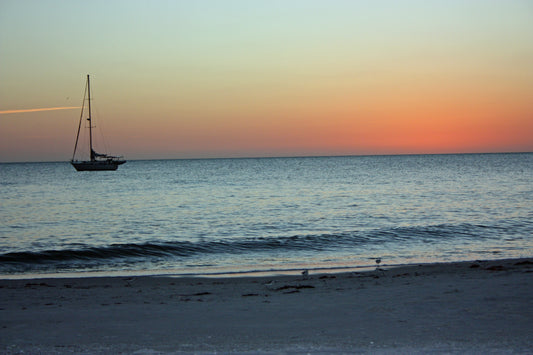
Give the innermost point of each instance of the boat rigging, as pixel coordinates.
(97, 161)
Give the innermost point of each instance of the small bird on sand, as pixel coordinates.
(305, 273)
(378, 261)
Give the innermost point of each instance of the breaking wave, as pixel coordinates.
(153, 251)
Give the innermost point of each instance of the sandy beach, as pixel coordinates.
(468, 307)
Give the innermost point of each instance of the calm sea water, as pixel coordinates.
(269, 214)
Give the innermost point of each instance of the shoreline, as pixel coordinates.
(473, 306)
(214, 274)
(273, 272)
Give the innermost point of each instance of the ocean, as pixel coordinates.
(265, 215)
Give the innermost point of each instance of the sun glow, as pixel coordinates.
(273, 78)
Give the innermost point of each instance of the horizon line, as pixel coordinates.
(288, 156)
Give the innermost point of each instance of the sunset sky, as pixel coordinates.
(244, 78)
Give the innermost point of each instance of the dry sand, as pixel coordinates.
(472, 307)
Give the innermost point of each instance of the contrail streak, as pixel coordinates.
(39, 109)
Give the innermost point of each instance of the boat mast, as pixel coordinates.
(90, 121)
(79, 124)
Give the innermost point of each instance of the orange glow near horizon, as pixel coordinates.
(264, 79)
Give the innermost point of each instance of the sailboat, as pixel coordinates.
(98, 161)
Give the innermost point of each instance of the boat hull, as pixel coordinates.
(106, 165)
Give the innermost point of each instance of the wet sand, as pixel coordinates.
(470, 307)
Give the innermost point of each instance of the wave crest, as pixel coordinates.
(184, 249)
